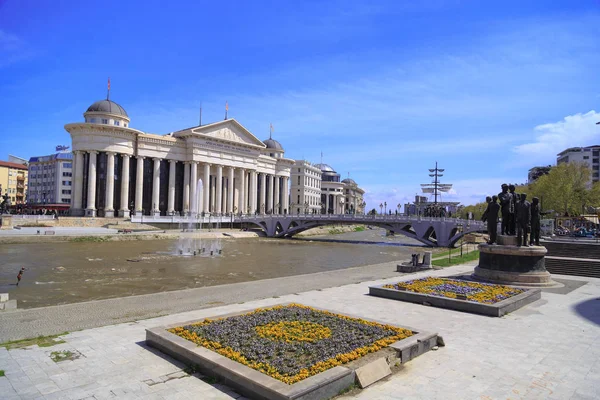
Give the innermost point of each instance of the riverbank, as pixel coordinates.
(108, 235)
(32, 322)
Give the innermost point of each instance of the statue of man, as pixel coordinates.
(535, 222)
(512, 222)
(505, 202)
(491, 215)
(488, 200)
(523, 216)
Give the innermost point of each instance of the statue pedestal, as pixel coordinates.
(509, 264)
(6, 221)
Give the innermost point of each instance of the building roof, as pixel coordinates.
(273, 144)
(325, 168)
(52, 157)
(12, 165)
(107, 106)
(349, 181)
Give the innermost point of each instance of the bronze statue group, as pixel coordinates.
(519, 217)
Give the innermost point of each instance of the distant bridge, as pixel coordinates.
(438, 232)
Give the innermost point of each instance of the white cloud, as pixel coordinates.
(552, 138)
(12, 49)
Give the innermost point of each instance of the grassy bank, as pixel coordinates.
(453, 257)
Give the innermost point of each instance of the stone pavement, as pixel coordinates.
(546, 350)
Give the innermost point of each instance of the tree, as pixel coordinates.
(372, 212)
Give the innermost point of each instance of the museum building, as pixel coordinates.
(218, 168)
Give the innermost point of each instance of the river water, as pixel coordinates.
(60, 273)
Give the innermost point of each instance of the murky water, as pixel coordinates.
(59, 273)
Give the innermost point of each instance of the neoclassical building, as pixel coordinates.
(318, 189)
(216, 168)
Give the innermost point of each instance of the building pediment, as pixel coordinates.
(229, 130)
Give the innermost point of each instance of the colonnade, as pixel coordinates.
(226, 189)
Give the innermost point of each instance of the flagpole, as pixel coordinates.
(200, 124)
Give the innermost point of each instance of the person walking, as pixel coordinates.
(20, 275)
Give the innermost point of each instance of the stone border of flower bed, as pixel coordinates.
(493, 310)
(256, 385)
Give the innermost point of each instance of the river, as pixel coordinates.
(69, 272)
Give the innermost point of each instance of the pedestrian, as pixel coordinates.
(20, 275)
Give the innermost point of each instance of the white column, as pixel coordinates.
(186, 187)
(219, 189)
(230, 190)
(171, 200)
(194, 200)
(206, 186)
(73, 188)
(270, 194)
(156, 187)
(247, 191)
(124, 186)
(139, 184)
(242, 197)
(286, 194)
(326, 203)
(263, 191)
(90, 210)
(276, 200)
(78, 180)
(109, 197)
(254, 200)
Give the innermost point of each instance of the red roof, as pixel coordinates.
(12, 165)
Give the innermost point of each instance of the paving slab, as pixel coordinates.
(547, 350)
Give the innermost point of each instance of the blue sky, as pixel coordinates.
(384, 89)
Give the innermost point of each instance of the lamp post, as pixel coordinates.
(385, 207)
(460, 231)
(305, 207)
(380, 208)
(363, 205)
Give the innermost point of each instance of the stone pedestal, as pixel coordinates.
(6, 221)
(506, 263)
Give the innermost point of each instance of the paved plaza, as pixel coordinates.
(546, 350)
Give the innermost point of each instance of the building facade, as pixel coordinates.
(50, 179)
(354, 197)
(589, 155)
(13, 181)
(305, 188)
(218, 168)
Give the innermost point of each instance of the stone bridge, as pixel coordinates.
(440, 232)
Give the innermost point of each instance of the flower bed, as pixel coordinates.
(291, 342)
(484, 293)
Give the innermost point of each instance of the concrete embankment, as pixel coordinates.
(82, 236)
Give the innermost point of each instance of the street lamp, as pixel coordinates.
(385, 206)
(380, 208)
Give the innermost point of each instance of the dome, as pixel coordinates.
(325, 168)
(273, 144)
(349, 181)
(108, 106)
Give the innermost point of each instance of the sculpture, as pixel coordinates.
(5, 204)
(512, 223)
(523, 218)
(535, 222)
(491, 215)
(505, 203)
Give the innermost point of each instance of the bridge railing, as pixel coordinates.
(360, 218)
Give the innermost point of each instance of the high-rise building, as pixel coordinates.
(589, 155)
(50, 179)
(13, 181)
